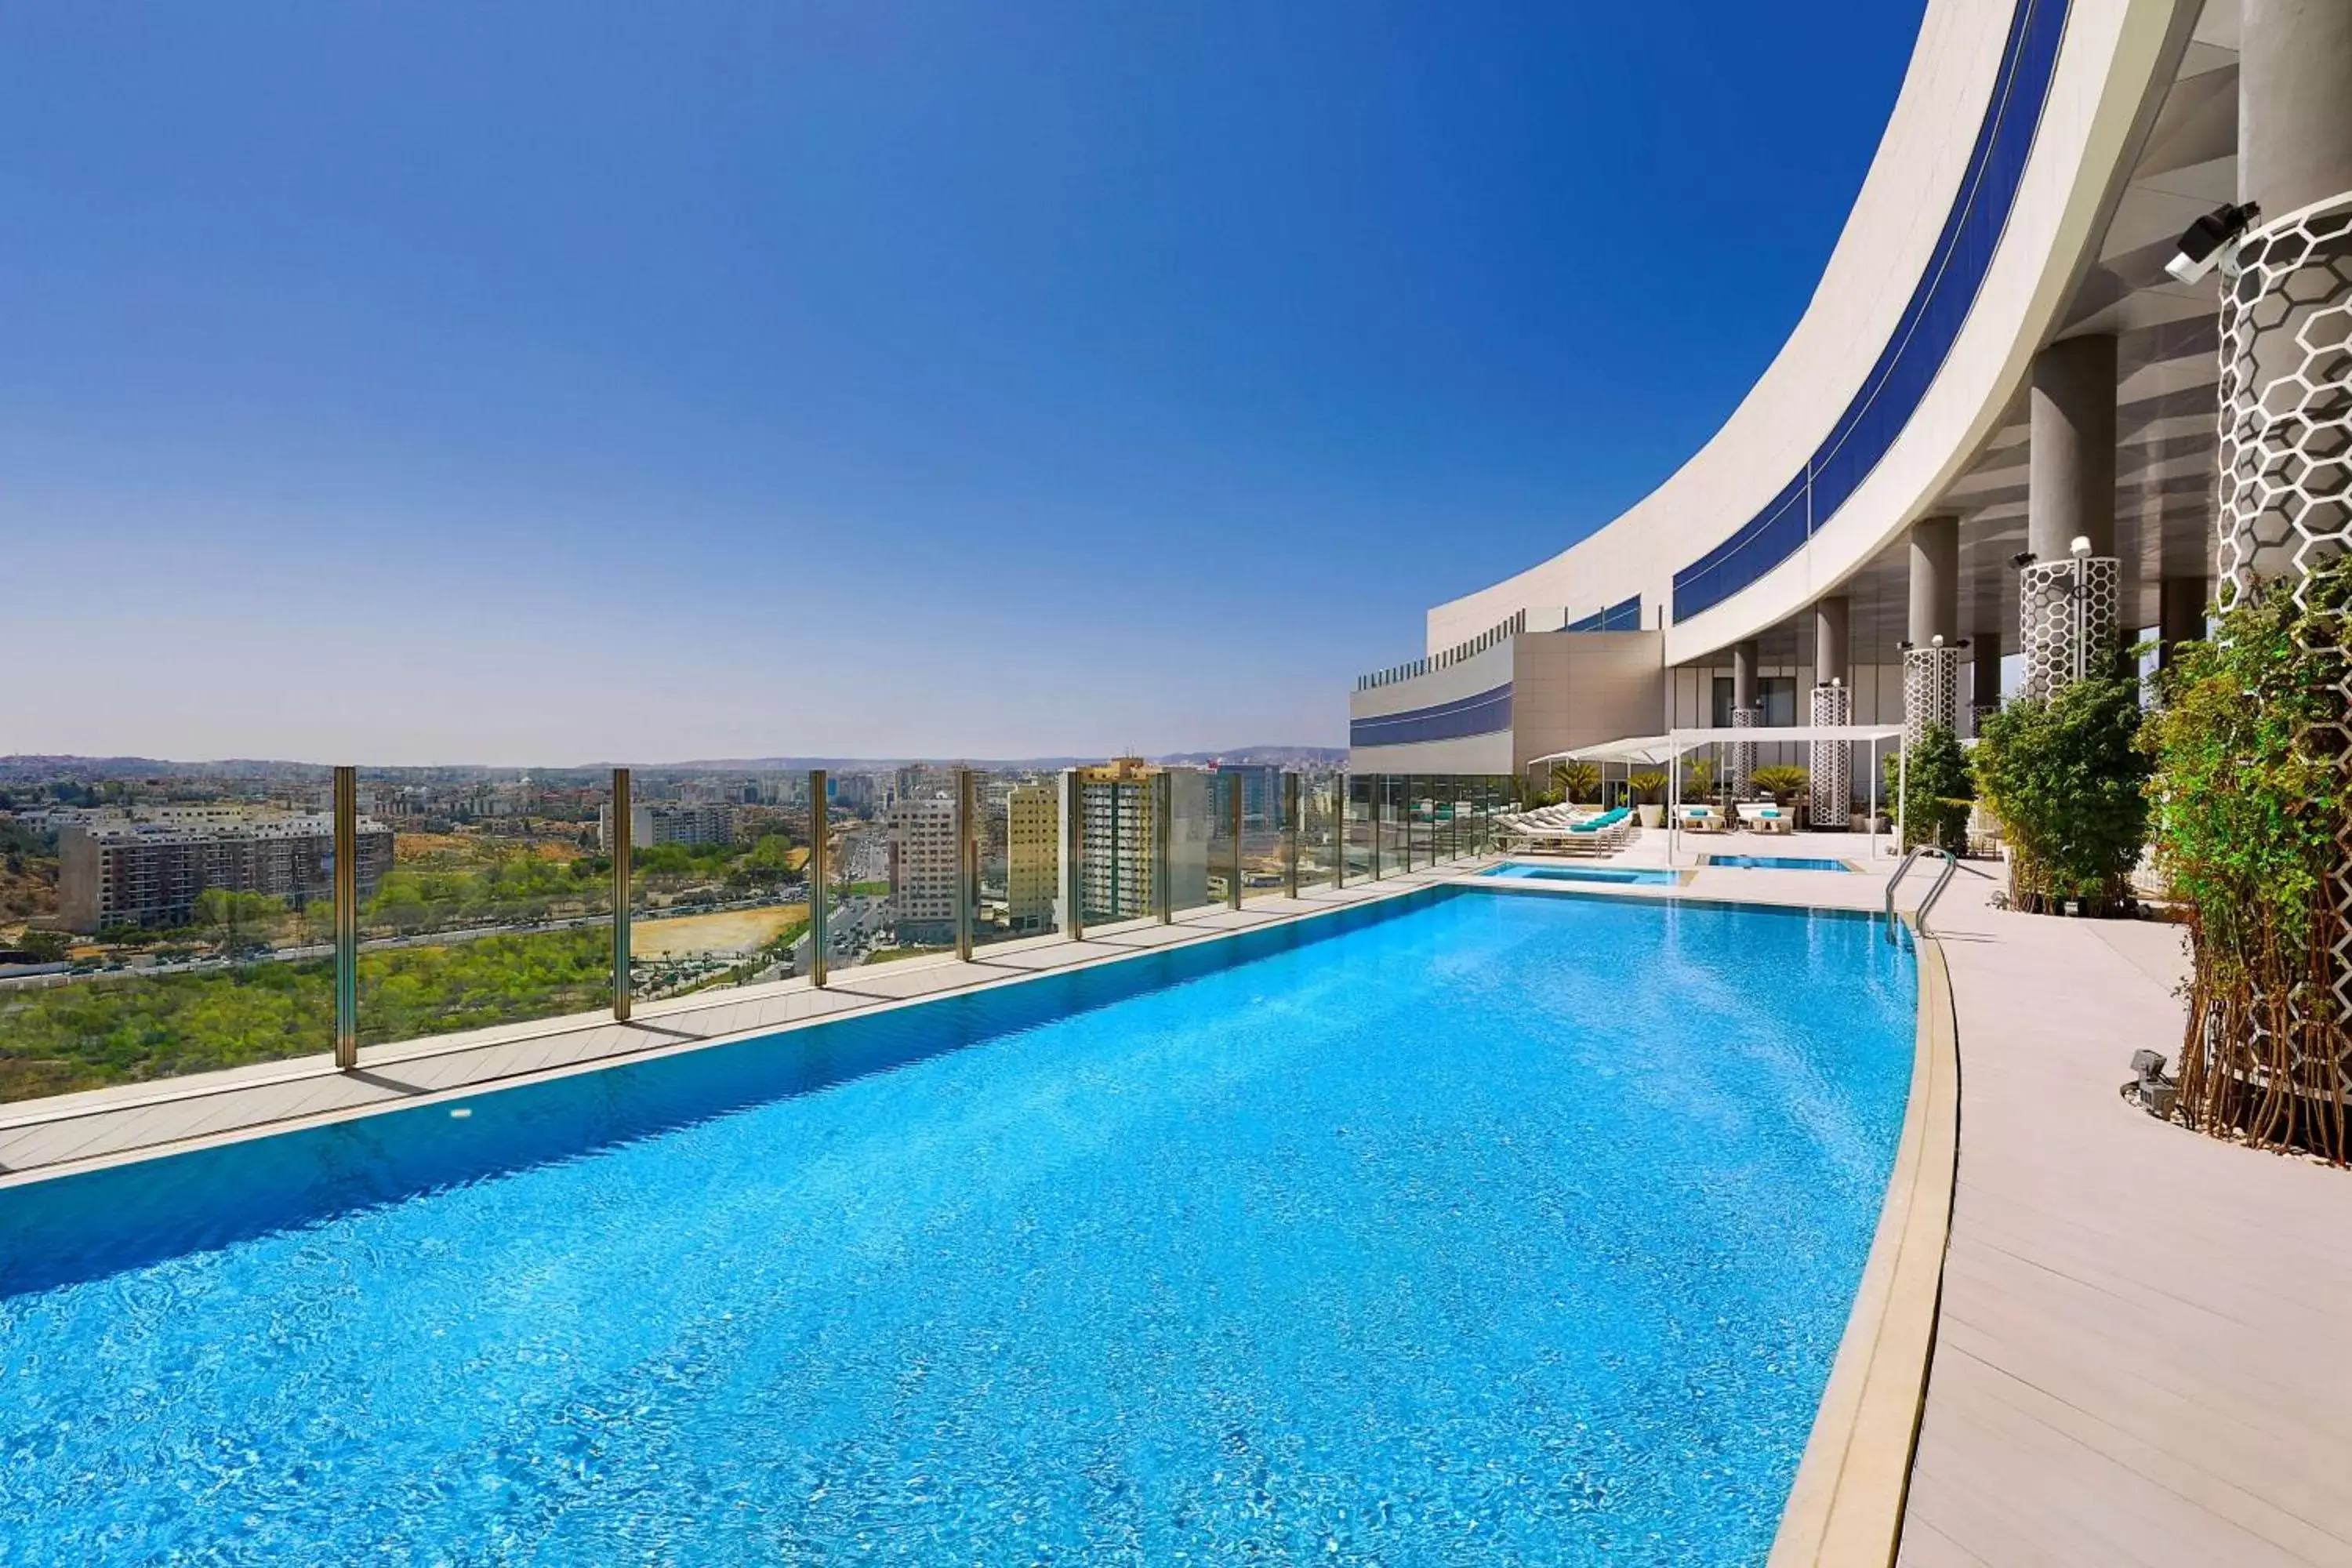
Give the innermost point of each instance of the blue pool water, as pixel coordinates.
(1513, 871)
(1492, 1228)
(1776, 862)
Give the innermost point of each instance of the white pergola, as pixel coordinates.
(1667, 749)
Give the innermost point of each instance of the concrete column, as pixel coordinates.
(2180, 613)
(2295, 106)
(1743, 715)
(1831, 617)
(1984, 683)
(1935, 579)
(2070, 475)
(2067, 606)
(1931, 664)
(1831, 702)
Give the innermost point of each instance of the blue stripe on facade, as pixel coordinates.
(1483, 714)
(1923, 337)
(1626, 616)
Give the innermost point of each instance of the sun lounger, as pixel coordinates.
(1764, 817)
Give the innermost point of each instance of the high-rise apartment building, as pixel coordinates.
(146, 868)
(1261, 787)
(669, 823)
(923, 873)
(1032, 856)
(1118, 875)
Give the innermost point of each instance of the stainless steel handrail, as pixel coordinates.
(1951, 864)
(1919, 915)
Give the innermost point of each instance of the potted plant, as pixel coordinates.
(1649, 794)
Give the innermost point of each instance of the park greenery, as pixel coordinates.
(2252, 803)
(2067, 779)
(98, 1032)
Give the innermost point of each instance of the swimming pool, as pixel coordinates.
(1483, 1227)
(1777, 863)
(1514, 871)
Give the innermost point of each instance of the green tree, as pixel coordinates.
(2068, 780)
(1931, 791)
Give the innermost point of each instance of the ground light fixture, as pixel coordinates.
(2208, 239)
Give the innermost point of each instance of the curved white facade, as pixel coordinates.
(2111, 62)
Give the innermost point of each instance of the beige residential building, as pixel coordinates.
(923, 876)
(1033, 857)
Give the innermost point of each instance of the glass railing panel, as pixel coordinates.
(719, 887)
(1018, 837)
(853, 816)
(495, 903)
(1197, 858)
(1319, 799)
(1264, 842)
(915, 918)
(1356, 844)
(155, 927)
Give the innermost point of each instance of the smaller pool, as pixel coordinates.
(1656, 877)
(1777, 863)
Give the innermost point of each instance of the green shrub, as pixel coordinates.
(1931, 792)
(2067, 779)
(2251, 802)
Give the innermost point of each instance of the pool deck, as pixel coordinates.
(2141, 1352)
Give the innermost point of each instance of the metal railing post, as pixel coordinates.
(347, 919)
(1375, 786)
(820, 872)
(621, 815)
(1163, 835)
(1290, 835)
(1234, 827)
(967, 849)
(1339, 830)
(1074, 856)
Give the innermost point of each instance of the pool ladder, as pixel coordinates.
(1919, 915)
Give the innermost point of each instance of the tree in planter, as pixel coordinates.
(2068, 780)
(1649, 789)
(1577, 781)
(1930, 791)
(2251, 802)
(1698, 781)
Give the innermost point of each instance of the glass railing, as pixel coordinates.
(493, 906)
(144, 936)
(145, 939)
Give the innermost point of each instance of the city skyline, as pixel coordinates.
(458, 386)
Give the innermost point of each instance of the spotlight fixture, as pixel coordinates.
(2079, 546)
(2208, 238)
(2021, 560)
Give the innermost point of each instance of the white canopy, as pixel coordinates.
(1659, 749)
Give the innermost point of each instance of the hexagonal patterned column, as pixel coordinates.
(1742, 753)
(2067, 613)
(2285, 504)
(1931, 689)
(1833, 778)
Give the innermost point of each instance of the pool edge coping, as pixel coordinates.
(1846, 1506)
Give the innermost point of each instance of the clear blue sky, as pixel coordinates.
(513, 383)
